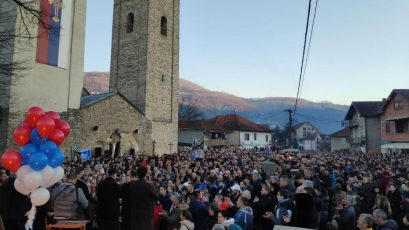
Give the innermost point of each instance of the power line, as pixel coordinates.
(303, 55)
(309, 46)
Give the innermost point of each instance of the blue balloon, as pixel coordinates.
(36, 138)
(38, 161)
(49, 148)
(26, 151)
(56, 159)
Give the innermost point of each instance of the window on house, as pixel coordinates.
(246, 137)
(164, 26)
(255, 136)
(398, 103)
(388, 127)
(266, 138)
(401, 126)
(129, 23)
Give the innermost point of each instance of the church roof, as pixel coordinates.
(94, 98)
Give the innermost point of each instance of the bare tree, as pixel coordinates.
(189, 111)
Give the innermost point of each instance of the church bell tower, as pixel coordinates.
(145, 63)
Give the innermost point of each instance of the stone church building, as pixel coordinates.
(138, 115)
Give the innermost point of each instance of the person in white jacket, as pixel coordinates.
(186, 222)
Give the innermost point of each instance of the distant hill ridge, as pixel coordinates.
(267, 110)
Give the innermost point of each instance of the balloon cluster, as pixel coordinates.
(37, 165)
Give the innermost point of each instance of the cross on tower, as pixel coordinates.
(57, 5)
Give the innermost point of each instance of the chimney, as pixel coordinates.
(383, 99)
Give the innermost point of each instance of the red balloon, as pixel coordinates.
(45, 126)
(34, 114)
(11, 160)
(25, 124)
(64, 127)
(57, 136)
(22, 135)
(53, 115)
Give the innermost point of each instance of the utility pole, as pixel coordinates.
(290, 124)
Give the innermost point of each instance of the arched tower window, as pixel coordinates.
(129, 23)
(164, 26)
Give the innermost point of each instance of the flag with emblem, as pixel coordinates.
(53, 43)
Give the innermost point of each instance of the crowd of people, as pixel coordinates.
(227, 189)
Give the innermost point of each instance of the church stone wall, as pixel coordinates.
(111, 115)
(163, 74)
(129, 49)
(145, 64)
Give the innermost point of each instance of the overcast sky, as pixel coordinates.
(359, 49)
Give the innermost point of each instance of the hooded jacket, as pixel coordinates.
(244, 218)
(282, 209)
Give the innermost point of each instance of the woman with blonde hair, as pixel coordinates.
(383, 203)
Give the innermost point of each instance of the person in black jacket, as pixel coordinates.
(126, 201)
(263, 204)
(143, 197)
(305, 211)
(108, 194)
(164, 198)
(395, 199)
(13, 206)
(213, 214)
(83, 185)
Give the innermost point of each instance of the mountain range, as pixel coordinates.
(325, 116)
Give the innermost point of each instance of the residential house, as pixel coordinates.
(363, 121)
(301, 131)
(225, 130)
(202, 130)
(395, 122)
(312, 142)
(340, 140)
(244, 133)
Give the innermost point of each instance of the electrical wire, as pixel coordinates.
(309, 46)
(303, 56)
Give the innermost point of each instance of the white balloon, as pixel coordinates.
(22, 172)
(32, 180)
(58, 175)
(47, 173)
(39, 196)
(19, 186)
